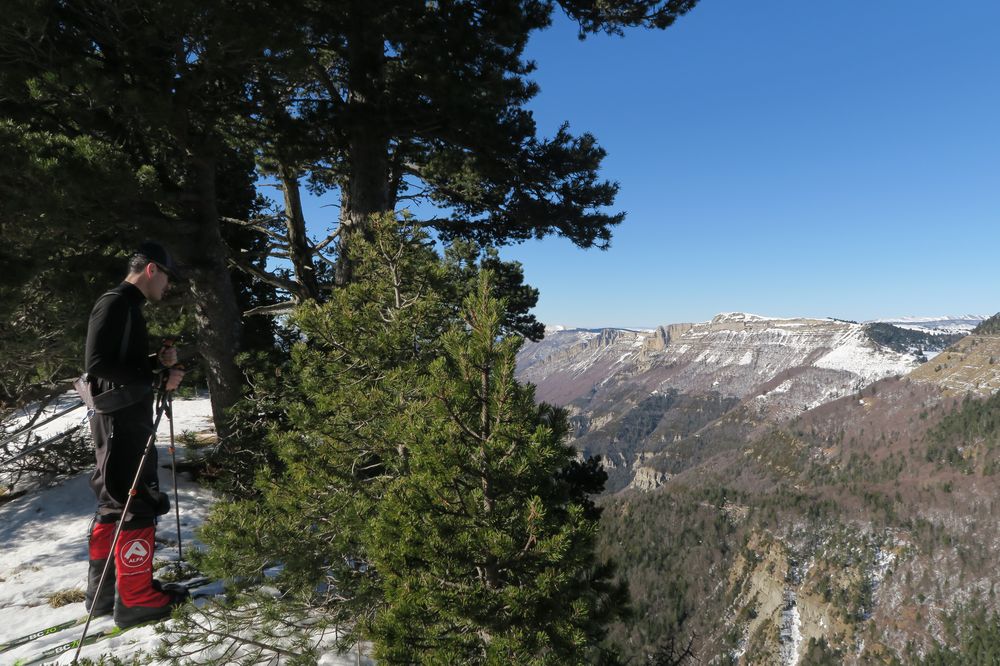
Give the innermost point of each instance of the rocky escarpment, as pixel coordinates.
(639, 392)
(736, 354)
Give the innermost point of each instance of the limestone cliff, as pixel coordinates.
(635, 392)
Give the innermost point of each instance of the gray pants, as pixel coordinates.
(120, 440)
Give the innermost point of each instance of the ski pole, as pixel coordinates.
(133, 491)
(10, 437)
(173, 471)
(169, 402)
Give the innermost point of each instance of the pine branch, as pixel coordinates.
(257, 225)
(273, 280)
(326, 241)
(455, 418)
(275, 310)
(241, 640)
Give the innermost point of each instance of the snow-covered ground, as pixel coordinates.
(43, 550)
(854, 353)
(43, 547)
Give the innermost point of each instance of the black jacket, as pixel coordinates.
(120, 438)
(104, 360)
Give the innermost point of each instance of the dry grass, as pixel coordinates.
(197, 440)
(66, 597)
(971, 365)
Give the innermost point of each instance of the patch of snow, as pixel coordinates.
(744, 317)
(853, 353)
(70, 420)
(783, 387)
(621, 359)
(741, 648)
(43, 551)
(883, 560)
(791, 631)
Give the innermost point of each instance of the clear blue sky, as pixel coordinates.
(781, 157)
(787, 158)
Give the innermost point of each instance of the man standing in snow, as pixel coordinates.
(118, 359)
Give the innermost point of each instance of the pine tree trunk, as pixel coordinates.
(298, 249)
(366, 196)
(491, 574)
(366, 191)
(217, 313)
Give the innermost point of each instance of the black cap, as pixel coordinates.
(159, 256)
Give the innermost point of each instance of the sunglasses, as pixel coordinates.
(170, 273)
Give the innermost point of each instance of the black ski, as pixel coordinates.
(72, 645)
(56, 628)
(68, 624)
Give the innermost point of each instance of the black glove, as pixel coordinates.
(177, 590)
(162, 505)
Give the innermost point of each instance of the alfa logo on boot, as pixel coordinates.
(136, 553)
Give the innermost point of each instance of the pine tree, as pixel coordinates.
(485, 554)
(415, 505)
(351, 383)
(153, 92)
(50, 281)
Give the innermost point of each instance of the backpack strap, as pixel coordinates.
(125, 337)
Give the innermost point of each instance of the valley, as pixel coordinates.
(790, 491)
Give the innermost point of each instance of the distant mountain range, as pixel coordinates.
(786, 491)
(944, 324)
(632, 392)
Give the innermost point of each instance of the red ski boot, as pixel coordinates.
(139, 599)
(102, 601)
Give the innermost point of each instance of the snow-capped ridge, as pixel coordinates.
(736, 354)
(726, 317)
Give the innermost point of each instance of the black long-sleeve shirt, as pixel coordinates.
(118, 457)
(103, 359)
